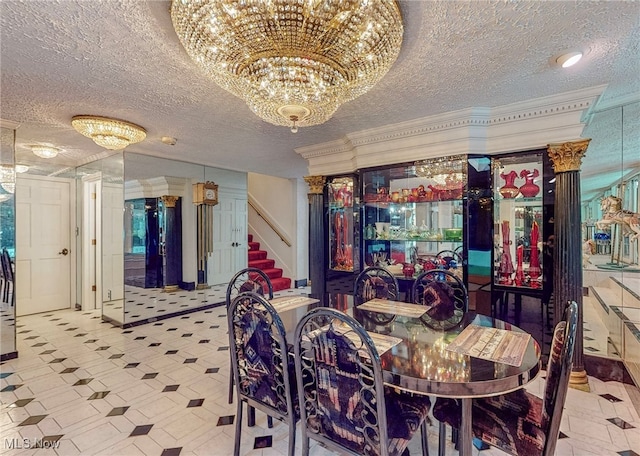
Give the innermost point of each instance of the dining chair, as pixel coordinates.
(263, 371)
(375, 282)
(448, 301)
(445, 296)
(520, 423)
(3, 279)
(248, 279)
(450, 259)
(343, 402)
(8, 292)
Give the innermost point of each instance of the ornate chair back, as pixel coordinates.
(375, 282)
(558, 373)
(8, 292)
(340, 385)
(248, 279)
(342, 399)
(444, 294)
(262, 368)
(449, 259)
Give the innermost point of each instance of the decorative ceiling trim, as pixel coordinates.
(157, 187)
(517, 126)
(13, 125)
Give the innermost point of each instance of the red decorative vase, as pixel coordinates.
(509, 190)
(529, 189)
(408, 270)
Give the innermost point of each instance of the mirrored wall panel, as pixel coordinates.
(171, 220)
(7, 245)
(611, 235)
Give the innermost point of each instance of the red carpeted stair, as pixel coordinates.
(258, 259)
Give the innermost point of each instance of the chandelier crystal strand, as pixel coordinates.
(291, 58)
(112, 134)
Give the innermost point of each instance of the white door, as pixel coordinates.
(43, 244)
(240, 235)
(229, 253)
(112, 242)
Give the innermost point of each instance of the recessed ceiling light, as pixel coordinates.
(569, 59)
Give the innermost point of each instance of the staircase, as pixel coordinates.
(258, 259)
(616, 304)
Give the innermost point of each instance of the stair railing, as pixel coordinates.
(254, 204)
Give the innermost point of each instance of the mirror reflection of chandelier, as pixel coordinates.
(294, 62)
(447, 172)
(7, 181)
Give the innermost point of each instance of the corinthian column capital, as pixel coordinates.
(567, 156)
(316, 184)
(169, 201)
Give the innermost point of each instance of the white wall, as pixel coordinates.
(284, 203)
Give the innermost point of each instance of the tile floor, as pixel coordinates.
(82, 386)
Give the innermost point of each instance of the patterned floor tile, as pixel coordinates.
(21, 402)
(171, 451)
(98, 395)
(116, 411)
(180, 425)
(265, 441)
(195, 403)
(225, 420)
(622, 424)
(610, 398)
(141, 430)
(32, 420)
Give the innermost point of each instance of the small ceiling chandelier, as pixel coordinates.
(294, 62)
(45, 151)
(447, 172)
(112, 134)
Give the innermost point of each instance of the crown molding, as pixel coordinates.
(478, 130)
(156, 187)
(5, 123)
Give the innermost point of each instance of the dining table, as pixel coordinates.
(422, 358)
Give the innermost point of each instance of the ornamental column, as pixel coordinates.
(567, 256)
(316, 234)
(172, 244)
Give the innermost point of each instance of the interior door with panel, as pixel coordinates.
(229, 253)
(43, 244)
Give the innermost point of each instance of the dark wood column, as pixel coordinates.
(316, 233)
(567, 275)
(172, 264)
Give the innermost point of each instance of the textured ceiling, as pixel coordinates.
(122, 59)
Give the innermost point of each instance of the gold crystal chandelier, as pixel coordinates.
(294, 62)
(44, 151)
(112, 134)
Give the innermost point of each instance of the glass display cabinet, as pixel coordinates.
(518, 207)
(413, 216)
(342, 223)
(523, 191)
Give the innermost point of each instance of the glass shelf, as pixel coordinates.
(518, 209)
(411, 211)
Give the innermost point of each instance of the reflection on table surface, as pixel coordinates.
(421, 363)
